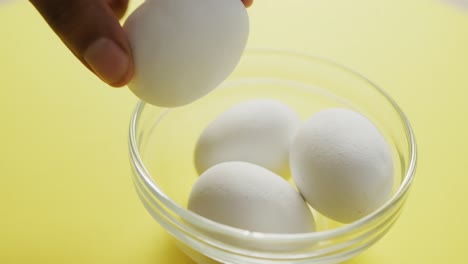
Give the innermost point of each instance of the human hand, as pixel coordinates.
(91, 30)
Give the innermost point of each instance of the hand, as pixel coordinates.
(91, 30)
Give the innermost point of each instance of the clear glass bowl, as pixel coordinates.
(162, 142)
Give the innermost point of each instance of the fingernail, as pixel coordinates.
(108, 61)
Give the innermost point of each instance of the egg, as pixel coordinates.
(342, 164)
(258, 131)
(250, 197)
(183, 49)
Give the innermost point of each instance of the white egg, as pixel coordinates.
(249, 197)
(342, 165)
(258, 131)
(183, 49)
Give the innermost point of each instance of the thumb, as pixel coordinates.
(247, 3)
(91, 30)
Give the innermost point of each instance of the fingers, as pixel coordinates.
(91, 30)
(247, 3)
(118, 6)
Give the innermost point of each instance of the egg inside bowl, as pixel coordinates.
(162, 144)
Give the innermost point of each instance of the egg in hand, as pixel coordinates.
(183, 49)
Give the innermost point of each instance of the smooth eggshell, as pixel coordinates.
(249, 197)
(258, 131)
(183, 49)
(342, 165)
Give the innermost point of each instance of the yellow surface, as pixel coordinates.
(65, 188)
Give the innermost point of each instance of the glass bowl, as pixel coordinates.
(162, 143)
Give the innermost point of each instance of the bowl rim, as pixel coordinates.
(200, 221)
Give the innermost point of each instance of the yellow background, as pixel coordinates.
(65, 187)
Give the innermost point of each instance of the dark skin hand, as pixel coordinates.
(91, 30)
